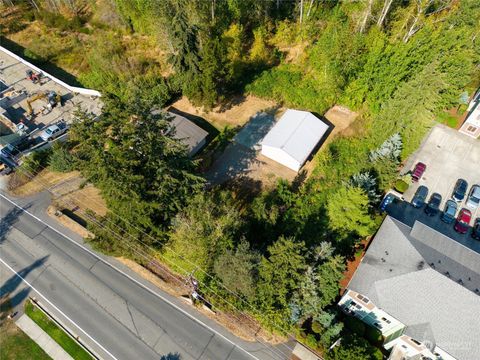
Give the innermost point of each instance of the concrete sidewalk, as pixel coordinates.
(42, 338)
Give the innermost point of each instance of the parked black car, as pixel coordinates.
(476, 229)
(449, 212)
(433, 204)
(387, 200)
(420, 196)
(460, 190)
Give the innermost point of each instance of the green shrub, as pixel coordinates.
(60, 159)
(29, 54)
(373, 335)
(355, 325)
(35, 161)
(462, 109)
(311, 341)
(401, 186)
(317, 328)
(56, 20)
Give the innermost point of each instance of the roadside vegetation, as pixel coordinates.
(276, 256)
(14, 343)
(56, 333)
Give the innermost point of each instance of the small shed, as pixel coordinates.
(293, 138)
(189, 133)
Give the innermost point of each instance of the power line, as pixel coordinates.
(166, 246)
(148, 257)
(196, 266)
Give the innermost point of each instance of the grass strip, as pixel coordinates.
(56, 333)
(16, 345)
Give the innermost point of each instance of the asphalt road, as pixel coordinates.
(118, 316)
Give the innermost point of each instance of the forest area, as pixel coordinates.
(276, 256)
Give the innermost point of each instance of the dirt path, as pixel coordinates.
(236, 113)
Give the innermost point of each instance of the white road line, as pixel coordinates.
(56, 308)
(132, 279)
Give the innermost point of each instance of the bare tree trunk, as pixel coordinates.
(310, 8)
(368, 13)
(384, 13)
(213, 10)
(420, 15)
(53, 5)
(72, 6)
(6, 2)
(301, 11)
(278, 5)
(411, 30)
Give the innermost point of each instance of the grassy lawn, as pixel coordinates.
(57, 334)
(447, 119)
(16, 345)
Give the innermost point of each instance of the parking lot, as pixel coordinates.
(449, 156)
(20, 93)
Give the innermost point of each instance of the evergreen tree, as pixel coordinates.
(367, 182)
(347, 211)
(238, 269)
(205, 230)
(144, 174)
(279, 276)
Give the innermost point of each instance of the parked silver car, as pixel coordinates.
(450, 212)
(473, 199)
(54, 131)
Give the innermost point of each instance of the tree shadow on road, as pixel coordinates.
(9, 220)
(9, 286)
(14, 282)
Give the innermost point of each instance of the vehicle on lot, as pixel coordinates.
(473, 199)
(9, 151)
(449, 212)
(420, 196)
(387, 200)
(54, 131)
(463, 221)
(4, 168)
(433, 204)
(460, 190)
(418, 171)
(476, 229)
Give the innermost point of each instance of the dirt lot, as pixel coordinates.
(341, 117)
(44, 179)
(241, 159)
(236, 113)
(87, 198)
(68, 189)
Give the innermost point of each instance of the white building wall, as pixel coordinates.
(471, 126)
(281, 157)
(74, 89)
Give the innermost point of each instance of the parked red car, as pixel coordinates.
(418, 171)
(463, 221)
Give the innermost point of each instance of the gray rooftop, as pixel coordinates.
(428, 282)
(191, 134)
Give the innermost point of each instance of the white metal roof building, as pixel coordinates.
(293, 138)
